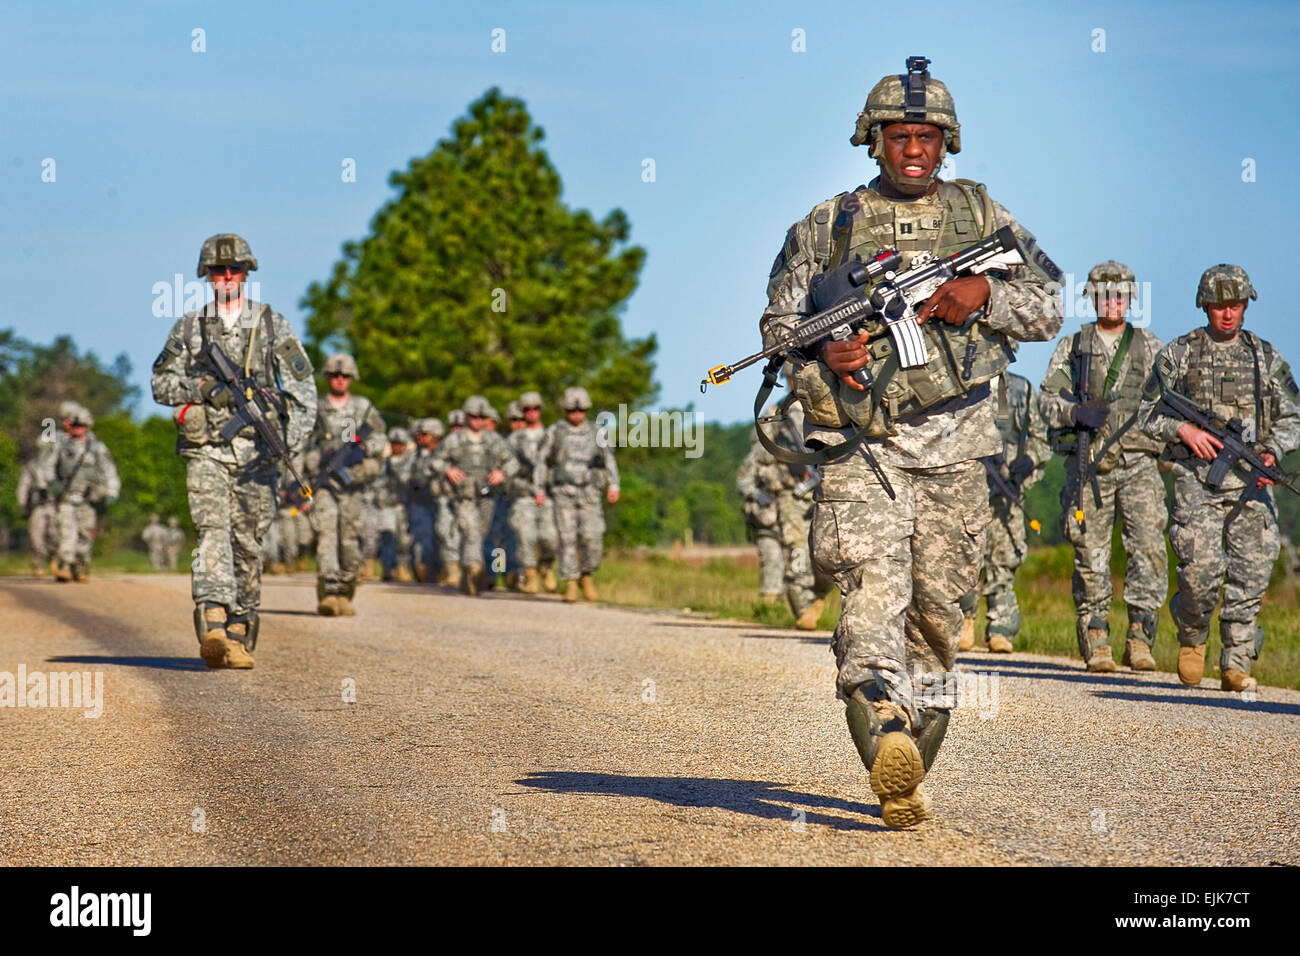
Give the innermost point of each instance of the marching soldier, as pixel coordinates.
(172, 543)
(446, 527)
(231, 481)
(533, 522)
(394, 491)
(500, 549)
(423, 503)
(1223, 530)
(1093, 388)
(760, 515)
(78, 474)
(155, 542)
(36, 506)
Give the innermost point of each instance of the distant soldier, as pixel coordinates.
(1091, 393)
(760, 515)
(36, 506)
(576, 464)
(78, 474)
(231, 481)
(1225, 527)
(445, 528)
(1010, 474)
(271, 550)
(500, 549)
(155, 542)
(174, 540)
(476, 461)
(288, 526)
(533, 523)
(394, 493)
(347, 443)
(423, 505)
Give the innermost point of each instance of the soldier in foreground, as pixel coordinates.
(231, 479)
(1225, 525)
(1011, 473)
(345, 451)
(155, 542)
(35, 505)
(533, 523)
(576, 465)
(899, 523)
(79, 476)
(1089, 398)
(760, 515)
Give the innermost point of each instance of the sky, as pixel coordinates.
(1152, 133)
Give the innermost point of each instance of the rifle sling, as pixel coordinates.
(1121, 353)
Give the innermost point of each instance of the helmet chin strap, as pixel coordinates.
(905, 184)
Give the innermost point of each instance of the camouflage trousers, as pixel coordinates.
(157, 557)
(422, 516)
(447, 530)
(271, 544)
(289, 526)
(1004, 550)
(1132, 493)
(1237, 563)
(500, 547)
(43, 532)
(473, 521)
(771, 562)
(232, 511)
(534, 528)
(579, 524)
(803, 583)
(902, 567)
(76, 529)
(368, 529)
(336, 518)
(394, 538)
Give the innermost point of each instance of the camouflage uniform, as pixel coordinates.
(533, 525)
(576, 468)
(394, 494)
(42, 519)
(1024, 439)
(1223, 376)
(477, 454)
(1128, 481)
(86, 478)
(422, 506)
(445, 527)
(173, 541)
(155, 541)
(760, 515)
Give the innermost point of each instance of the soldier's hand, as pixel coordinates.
(540, 499)
(1091, 414)
(612, 495)
(455, 475)
(1271, 461)
(214, 393)
(846, 357)
(1202, 443)
(496, 476)
(955, 300)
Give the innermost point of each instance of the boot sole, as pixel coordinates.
(215, 652)
(898, 768)
(903, 812)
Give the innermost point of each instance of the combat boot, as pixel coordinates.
(473, 578)
(452, 575)
(63, 573)
(344, 605)
(302, 564)
(548, 580)
(210, 625)
(279, 568)
(38, 569)
(807, 621)
(588, 588)
(512, 581)
(1100, 660)
(403, 574)
(881, 731)
(999, 644)
(328, 606)
(967, 634)
(237, 654)
(1238, 681)
(1191, 665)
(531, 582)
(422, 572)
(1137, 655)
(570, 592)
(81, 571)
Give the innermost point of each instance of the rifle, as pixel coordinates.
(247, 396)
(993, 465)
(1237, 450)
(1084, 473)
(337, 467)
(871, 295)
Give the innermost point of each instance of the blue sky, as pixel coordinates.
(1134, 153)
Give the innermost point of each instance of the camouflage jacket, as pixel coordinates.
(427, 484)
(84, 470)
(575, 456)
(395, 483)
(526, 444)
(334, 426)
(155, 535)
(1020, 307)
(1020, 425)
(477, 454)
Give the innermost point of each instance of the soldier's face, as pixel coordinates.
(426, 441)
(911, 150)
(339, 382)
(477, 422)
(398, 448)
(1226, 318)
(516, 424)
(1111, 307)
(532, 415)
(576, 416)
(78, 432)
(226, 280)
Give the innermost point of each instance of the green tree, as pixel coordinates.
(477, 278)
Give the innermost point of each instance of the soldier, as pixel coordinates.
(1230, 531)
(500, 549)
(1093, 387)
(760, 515)
(532, 522)
(271, 550)
(78, 474)
(231, 481)
(288, 529)
(155, 541)
(394, 492)
(423, 504)
(575, 464)
(172, 543)
(42, 523)
(899, 519)
(476, 461)
(1011, 473)
(445, 526)
(346, 447)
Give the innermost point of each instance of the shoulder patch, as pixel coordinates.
(172, 348)
(291, 354)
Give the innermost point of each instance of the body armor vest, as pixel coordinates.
(336, 425)
(574, 453)
(526, 445)
(1230, 379)
(1011, 415)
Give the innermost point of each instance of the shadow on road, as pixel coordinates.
(1227, 701)
(965, 657)
(159, 663)
(1054, 672)
(752, 797)
(263, 610)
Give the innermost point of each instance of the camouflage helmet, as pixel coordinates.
(1224, 283)
(67, 408)
(575, 397)
(515, 411)
(478, 406)
(888, 103)
(399, 436)
(225, 249)
(1110, 276)
(340, 362)
(456, 418)
(81, 416)
(429, 426)
(530, 400)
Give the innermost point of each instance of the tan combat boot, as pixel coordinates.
(807, 620)
(344, 605)
(1137, 655)
(967, 634)
(1191, 665)
(896, 776)
(403, 575)
(81, 571)
(570, 592)
(473, 579)
(588, 588)
(237, 655)
(531, 581)
(215, 648)
(548, 580)
(38, 569)
(999, 644)
(1100, 661)
(328, 606)
(64, 573)
(422, 572)
(512, 580)
(279, 568)
(451, 574)
(1238, 680)
(302, 564)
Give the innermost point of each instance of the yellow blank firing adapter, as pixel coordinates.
(1078, 516)
(720, 374)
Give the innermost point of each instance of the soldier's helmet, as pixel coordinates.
(889, 102)
(478, 406)
(575, 397)
(398, 436)
(456, 418)
(530, 400)
(81, 416)
(1224, 283)
(67, 409)
(429, 426)
(1110, 277)
(225, 249)
(341, 362)
(515, 411)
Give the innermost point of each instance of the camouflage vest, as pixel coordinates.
(1230, 380)
(334, 426)
(575, 457)
(526, 445)
(1011, 415)
(207, 326)
(862, 223)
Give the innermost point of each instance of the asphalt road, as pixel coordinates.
(513, 730)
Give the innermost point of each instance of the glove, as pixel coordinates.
(1092, 413)
(1020, 469)
(214, 393)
